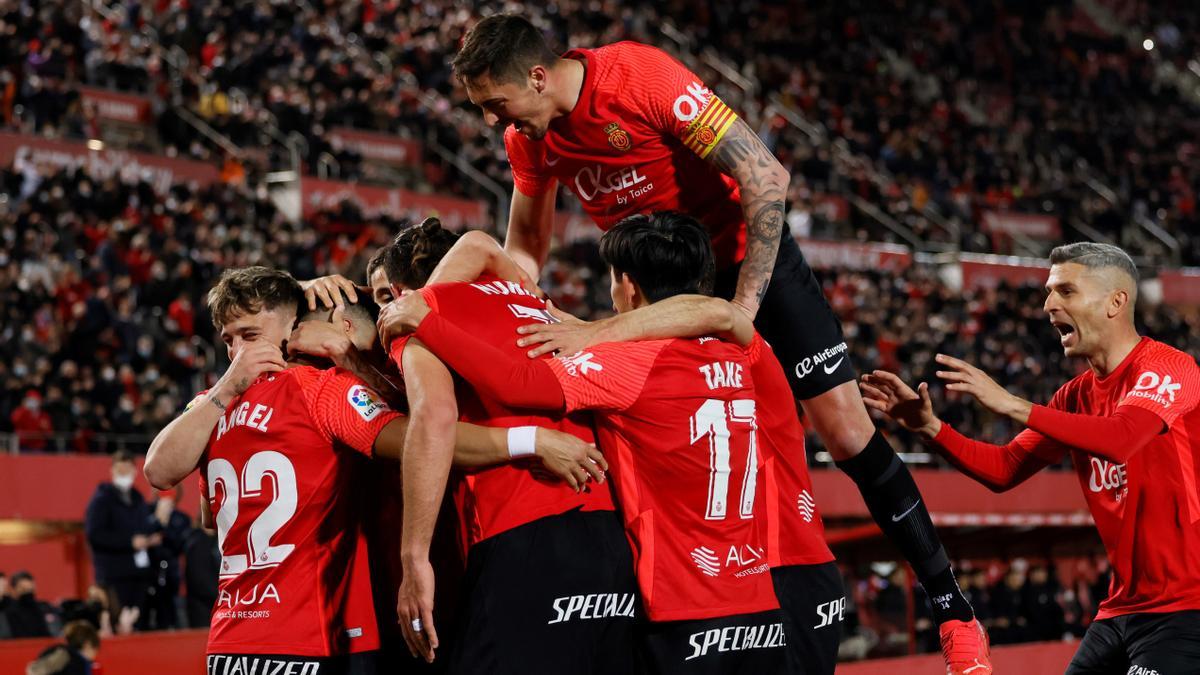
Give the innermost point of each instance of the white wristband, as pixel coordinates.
(521, 441)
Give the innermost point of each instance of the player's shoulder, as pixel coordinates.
(1155, 352)
(621, 66)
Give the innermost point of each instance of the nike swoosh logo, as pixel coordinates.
(896, 519)
(829, 369)
(550, 163)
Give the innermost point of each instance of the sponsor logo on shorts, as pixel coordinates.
(736, 639)
(1141, 670)
(365, 402)
(240, 664)
(829, 612)
(593, 606)
(807, 506)
(827, 359)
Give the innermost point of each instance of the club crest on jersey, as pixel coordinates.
(617, 137)
(365, 402)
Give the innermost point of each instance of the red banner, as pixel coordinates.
(853, 255)
(379, 147)
(988, 271)
(1029, 224)
(111, 105)
(161, 172)
(456, 214)
(1181, 287)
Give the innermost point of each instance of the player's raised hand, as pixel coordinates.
(569, 335)
(320, 338)
(401, 317)
(414, 607)
(966, 378)
(328, 291)
(887, 393)
(570, 458)
(253, 359)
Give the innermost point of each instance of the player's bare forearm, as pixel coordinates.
(678, 316)
(530, 224)
(176, 450)
(476, 253)
(428, 448)
(474, 446)
(763, 183)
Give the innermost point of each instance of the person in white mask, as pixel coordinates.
(118, 525)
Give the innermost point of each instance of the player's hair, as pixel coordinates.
(122, 456)
(363, 311)
(380, 259)
(251, 290)
(1095, 255)
(666, 252)
(79, 634)
(416, 251)
(503, 47)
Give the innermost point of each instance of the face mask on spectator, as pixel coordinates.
(123, 482)
(33, 404)
(152, 375)
(20, 370)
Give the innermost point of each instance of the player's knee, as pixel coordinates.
(841, 420)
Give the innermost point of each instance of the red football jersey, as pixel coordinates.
(277, 474)
(635, 143)
(677, 422)
(499, 498)
(1148, 509)
(795, 533)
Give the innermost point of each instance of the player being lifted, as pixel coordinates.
(1132, 428)
(630, 130)
(275, 443)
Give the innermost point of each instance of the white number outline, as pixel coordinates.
(712, 420)
(262, 553)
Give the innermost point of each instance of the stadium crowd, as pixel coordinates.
(925, 96)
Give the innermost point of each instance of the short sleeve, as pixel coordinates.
(1168, 385)
(607, 376)
(678, 103)
(527, 160)
(345, 409)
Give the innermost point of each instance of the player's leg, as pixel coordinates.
(1162, 644)
(814, 600)
(556, 591)
(1102, 650)
(746, 644)
(796, 320)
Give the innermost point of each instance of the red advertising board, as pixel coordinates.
(456, 214)
(1029, 224)
(857, 256)
(384, 148)
(122, 107)
(988, 271)
(161, 172)
(1181, 287)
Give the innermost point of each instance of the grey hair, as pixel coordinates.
(1094, 255)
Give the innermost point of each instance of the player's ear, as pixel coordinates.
(1118, 303)
(537, 78)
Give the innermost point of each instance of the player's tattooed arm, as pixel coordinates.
(763, 182)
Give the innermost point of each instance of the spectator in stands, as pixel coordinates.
(1010, 616)
(202, 558)
(31, 424)
(120, 533)
(5, 602)
(1042, 607)
(75, 656)
(26, 614)
(173, 525)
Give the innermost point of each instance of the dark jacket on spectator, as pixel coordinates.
(203, 561)
(112, 519)
(27, 617)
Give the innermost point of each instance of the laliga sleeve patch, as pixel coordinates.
(365, 402)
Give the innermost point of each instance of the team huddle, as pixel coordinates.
(631, 495)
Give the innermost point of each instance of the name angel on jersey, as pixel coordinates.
(736, 639)
(243, 416)
(224, 664)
